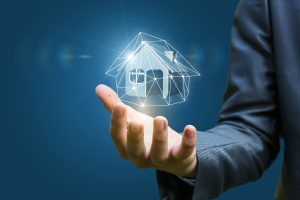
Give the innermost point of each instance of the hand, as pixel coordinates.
(149, 142)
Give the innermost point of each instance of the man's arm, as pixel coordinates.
(245, 141)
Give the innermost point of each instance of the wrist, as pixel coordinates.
(191, 171)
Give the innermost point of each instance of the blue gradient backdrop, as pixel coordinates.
(55, 131)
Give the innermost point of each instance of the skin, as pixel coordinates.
(149, 142)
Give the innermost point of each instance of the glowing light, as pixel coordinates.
(84, 56)
(182, 76)
(133, 87)
(155, 79)
(130, 56)
(171, 77)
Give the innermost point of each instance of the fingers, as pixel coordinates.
(118, 129)
(159, 147)
(135, 146)
(108, 97)
(187, 145)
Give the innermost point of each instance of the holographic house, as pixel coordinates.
(150, 72)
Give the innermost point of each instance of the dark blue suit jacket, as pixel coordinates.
(261, 104)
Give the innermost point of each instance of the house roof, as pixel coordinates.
(154, 47)
(156, 50)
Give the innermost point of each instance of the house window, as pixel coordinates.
(137, 76)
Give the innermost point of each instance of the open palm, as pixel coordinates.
(149, 142)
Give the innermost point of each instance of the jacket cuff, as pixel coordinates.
(172, 187)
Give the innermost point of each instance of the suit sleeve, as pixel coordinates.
(246, 139)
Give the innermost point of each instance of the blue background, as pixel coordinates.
(55, 136)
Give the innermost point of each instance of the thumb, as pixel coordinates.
(188, 143)
(108, 97)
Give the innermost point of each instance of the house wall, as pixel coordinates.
(147, 60)
(140, 89)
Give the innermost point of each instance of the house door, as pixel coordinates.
(154, 82)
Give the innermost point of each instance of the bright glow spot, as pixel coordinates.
(130, 56)
(133, 87)
(171, 77)
(175, 60)
(182, 76)
(84, 56)
(143, 42)
(155, 79)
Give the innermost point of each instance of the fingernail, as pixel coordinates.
(159, 124)
(189, 133)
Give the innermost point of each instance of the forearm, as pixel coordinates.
(230, 155)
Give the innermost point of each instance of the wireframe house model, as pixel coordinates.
(151, 72)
